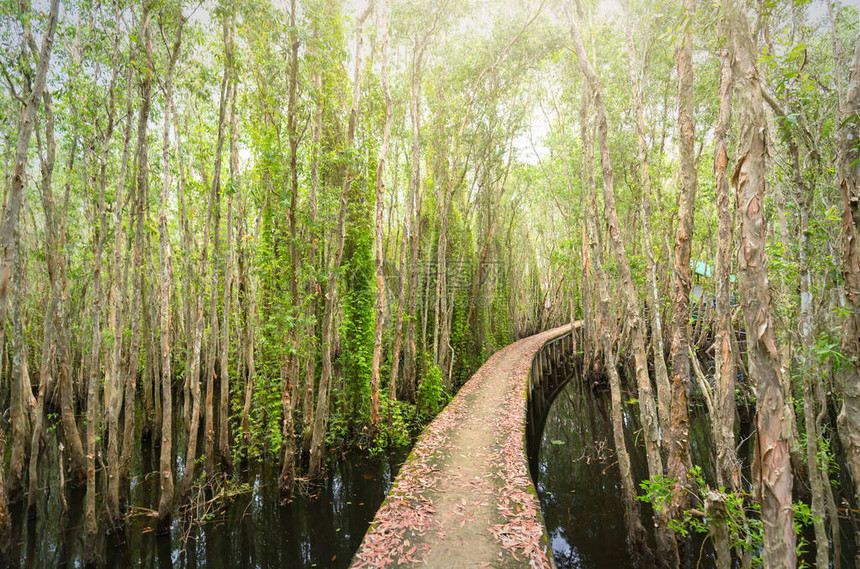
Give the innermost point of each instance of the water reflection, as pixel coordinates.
(578, 483)
(574, 466)
(321, 527)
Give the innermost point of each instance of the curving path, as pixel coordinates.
(464, 497)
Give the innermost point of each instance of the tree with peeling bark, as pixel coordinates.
(165, 502)
(379, 235)
(772, 464)
(849, 189)
(678, 462)
(631, 504)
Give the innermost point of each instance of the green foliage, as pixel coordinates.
(521, 217)
(827, 460)
(658, 492)
(463, 342)
(265, 421)
(430, 394)
(339, 428)
(827, 349)
(357, 329)
(394, 429)
(803, 518)
(742, 514)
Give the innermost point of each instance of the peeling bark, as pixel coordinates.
(679, 463)
(636, 530)
(772, 472)
(723, 412)
(849, 188)
(723, 423)
(165, 502)
(21, 393)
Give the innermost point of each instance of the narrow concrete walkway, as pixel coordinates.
(464, 497)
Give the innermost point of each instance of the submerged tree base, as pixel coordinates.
(243, 523)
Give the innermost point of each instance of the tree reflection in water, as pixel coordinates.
(576, 474)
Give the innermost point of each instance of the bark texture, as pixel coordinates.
(772, 466)
(728, 468)
(849, 189)
(632, 514)
(678, 462)
(165, 502)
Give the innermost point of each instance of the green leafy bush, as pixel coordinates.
(430, 393)
(393, 426)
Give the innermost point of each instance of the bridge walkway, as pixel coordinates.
(464, 497)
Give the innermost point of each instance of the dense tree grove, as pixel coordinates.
(248, 231)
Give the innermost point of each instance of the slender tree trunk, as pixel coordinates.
(10, 242)
(409, 270)
(215, 215)
(48, 340)
(113, 379)
(321, 415)
(224, 373)
(289, 370)
(191, 301)
(294, 150)
(661, 374)
(92, 372)
(491, 206)
(77, 456)
(165, 503)
(12, 213)
(380, 228)
(723, 419)
(443, 308)
(141, 193)
(647, 408)
(148, 298)
(132, 371)
(292, 367)
(37, 411)
(811, 413)
(772, 465)
(314, 287)
(678, 463)
(440, 329)
(93, 366)
(248, 304)
(814, 414)
(728, 467)
(406, 281)
(21, 400)
(113, 373)
(636, 530)
(195, 364)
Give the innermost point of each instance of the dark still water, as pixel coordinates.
(578, 482)
(322, 527)
(575, 469)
